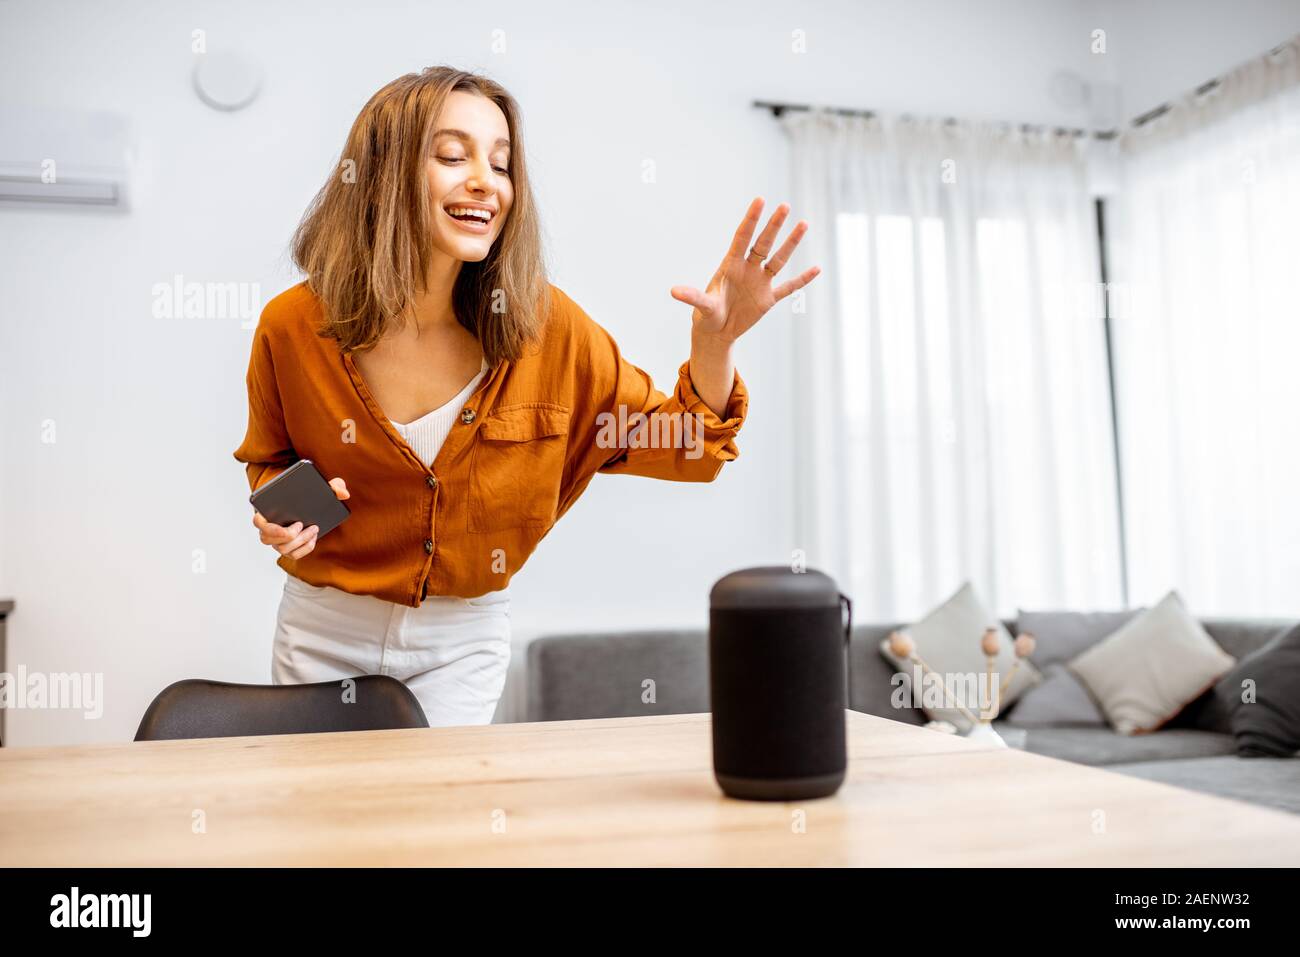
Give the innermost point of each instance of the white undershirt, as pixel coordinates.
(427, 433)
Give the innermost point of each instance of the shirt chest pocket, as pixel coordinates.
(516, 467)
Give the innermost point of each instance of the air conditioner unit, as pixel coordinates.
(61, 157)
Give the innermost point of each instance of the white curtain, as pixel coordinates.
(952, 417)
(1206, 264)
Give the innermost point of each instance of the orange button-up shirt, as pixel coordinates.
(525, 446)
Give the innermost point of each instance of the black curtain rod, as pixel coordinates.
(779, 108)
(1201, 90)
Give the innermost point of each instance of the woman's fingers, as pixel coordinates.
(272, 534)
(306, 535)
(294, 540)
(691, 296)
(307, 547)
(783, 254)
(768, 236)
(340, 488)
(805, 277)
(740, 242)
(268, 527)
(278, 534)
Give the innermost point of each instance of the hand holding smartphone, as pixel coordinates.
(297, 507)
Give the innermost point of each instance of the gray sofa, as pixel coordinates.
(605, 675)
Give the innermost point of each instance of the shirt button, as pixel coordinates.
(428, 546)
(467, 416)
(433, 482)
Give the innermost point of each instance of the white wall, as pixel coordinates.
(1166, 48)
(98, 529)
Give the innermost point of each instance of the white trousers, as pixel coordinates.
(452, 653)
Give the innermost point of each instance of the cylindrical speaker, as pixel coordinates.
(777, 683)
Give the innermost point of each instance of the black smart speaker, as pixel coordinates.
(777, 642)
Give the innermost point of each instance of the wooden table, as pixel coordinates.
(623, 791)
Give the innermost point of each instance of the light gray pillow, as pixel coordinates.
(1147, 671)
(948, 640)
(1060, 700)
(1063, 635)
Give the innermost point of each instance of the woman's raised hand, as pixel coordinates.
(294, 540)
(741, 291)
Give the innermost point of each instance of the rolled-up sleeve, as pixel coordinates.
(675, 437)
(624, 425)
(266, 447)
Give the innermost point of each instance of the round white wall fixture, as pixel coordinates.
(1069, 90)
(226, 81)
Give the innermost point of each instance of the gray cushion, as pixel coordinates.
(1060, 700)
(1147, 672)
(1274, 782)
(1102, 746)
(1063, 635)
(1239, 638)
(601, 675)
(1269, 725)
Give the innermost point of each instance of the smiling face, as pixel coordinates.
(469, 173)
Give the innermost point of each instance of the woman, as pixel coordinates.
(461, 401)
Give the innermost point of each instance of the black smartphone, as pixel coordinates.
(300, 494)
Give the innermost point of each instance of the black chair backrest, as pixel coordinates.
(197, 708)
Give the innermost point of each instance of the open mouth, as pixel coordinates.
(472, 220)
